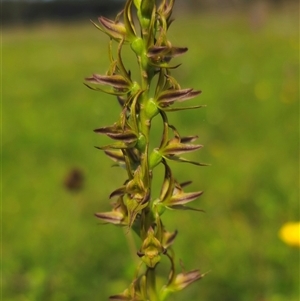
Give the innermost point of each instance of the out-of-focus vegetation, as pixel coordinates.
(32, 11)
(54, 249)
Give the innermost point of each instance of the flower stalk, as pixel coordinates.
(142, 25)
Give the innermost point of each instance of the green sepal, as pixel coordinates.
(182, 198)
(129, 25)
(121, 67)
(112, 217)
(165, 53)
(165, 135)
(115, 132)
(161, 82)
(116, 81)
(174, 147)
(168, 185)
(169, 97)
(118, 192)
(115, 155)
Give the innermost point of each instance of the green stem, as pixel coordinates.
(146, 73)
(151, 285)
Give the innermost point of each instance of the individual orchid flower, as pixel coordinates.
(117, 216)
(151, 250)
(116, 29)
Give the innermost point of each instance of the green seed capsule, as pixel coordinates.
(155, 158)
(135, 88)
(141, 142)
(138, 46)
(151, 109)
(158, 207)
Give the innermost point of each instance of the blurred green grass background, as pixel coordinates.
(53, 247)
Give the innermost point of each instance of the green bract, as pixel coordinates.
(135, 207)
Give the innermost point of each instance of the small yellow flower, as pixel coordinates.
(290, 233)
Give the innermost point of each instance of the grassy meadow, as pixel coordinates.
(53, 249)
